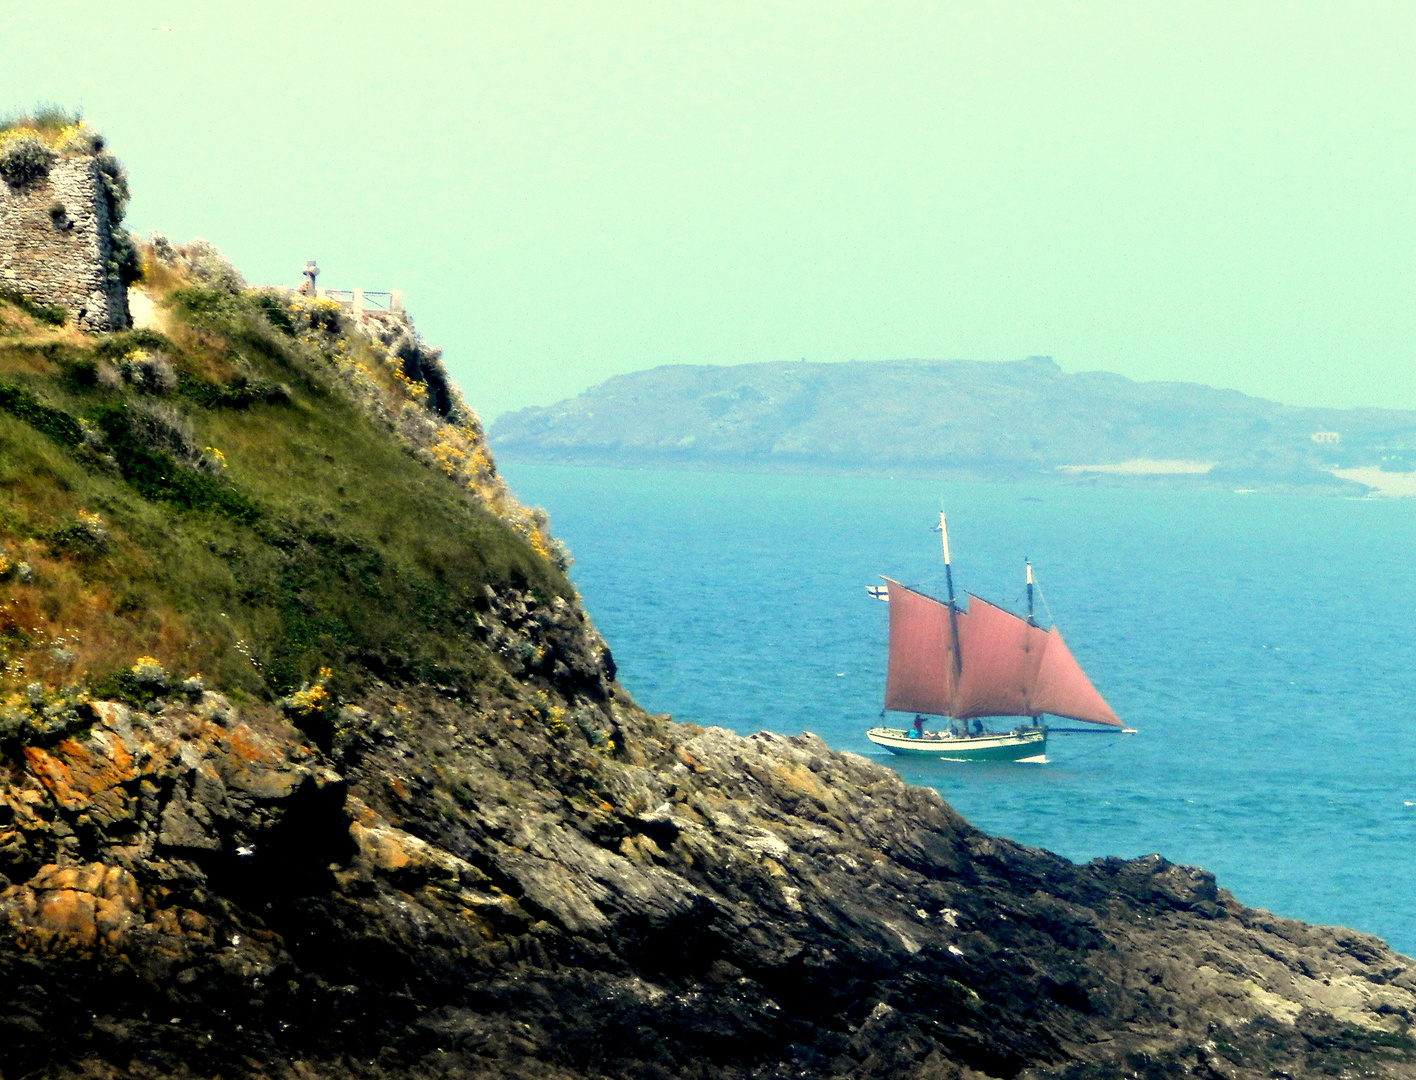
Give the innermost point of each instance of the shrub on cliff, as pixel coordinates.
(200, 261)
(24, 159)
(124, 264)
(115, 186)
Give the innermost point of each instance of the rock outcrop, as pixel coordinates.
(575, 889)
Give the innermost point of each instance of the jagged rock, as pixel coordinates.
(479, 891)
(76, 907)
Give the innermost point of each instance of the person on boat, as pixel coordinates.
(978, 727)
(918, 732)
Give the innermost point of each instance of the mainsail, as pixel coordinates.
(1001, 655)
(1007, 666)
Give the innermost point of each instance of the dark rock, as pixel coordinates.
(486, 889)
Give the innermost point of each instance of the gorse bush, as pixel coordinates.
(86, 537)
(57, 128)
(46, 117)
(80, 140)
(148, 371)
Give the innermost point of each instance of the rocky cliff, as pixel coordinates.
(312, 766)
(460, 889)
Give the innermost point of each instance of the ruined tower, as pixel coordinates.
(60, 244)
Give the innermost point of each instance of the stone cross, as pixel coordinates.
(311, 272)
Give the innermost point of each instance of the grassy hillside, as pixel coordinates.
(249, 488)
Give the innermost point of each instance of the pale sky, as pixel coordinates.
(1216, 192)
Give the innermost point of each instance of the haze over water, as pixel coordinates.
(1260, 644)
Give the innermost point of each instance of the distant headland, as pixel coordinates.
(1024, 420)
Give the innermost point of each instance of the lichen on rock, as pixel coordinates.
(457, 885)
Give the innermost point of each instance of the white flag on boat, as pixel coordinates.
(880, 592)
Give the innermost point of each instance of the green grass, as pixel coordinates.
(44, 313)
(58, 425)
(324, 542)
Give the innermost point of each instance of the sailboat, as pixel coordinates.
(969, 664)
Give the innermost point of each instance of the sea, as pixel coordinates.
(1261, 645)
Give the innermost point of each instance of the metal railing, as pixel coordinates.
(361, 300)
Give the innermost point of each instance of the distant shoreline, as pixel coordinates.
(1347, 483)
(1021, 421)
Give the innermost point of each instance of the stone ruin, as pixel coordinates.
(57, 244)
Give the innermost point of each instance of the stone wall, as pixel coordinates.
(56, 243)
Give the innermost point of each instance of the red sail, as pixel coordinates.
(1001, 658)
(1064, 690)
(920, 675)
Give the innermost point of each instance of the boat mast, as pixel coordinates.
(1037, 718)
(1031, 620)
(953, 608)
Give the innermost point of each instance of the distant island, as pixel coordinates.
(1025, 420)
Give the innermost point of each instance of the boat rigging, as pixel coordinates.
(976, 663)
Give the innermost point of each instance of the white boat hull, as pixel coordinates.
(1025, 744)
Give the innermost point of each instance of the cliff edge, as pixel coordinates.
(311, 765)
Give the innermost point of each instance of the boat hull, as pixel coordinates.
(1020, 745)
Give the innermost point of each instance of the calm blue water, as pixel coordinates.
(1261, 644)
